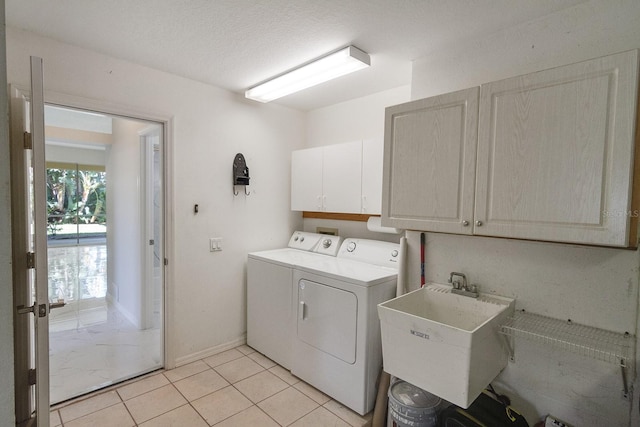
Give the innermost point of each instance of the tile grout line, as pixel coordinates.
(223, 363)
(256, 403)
(188, 401)
(135, 423)
(241, 393)
(318, 405)
(117, 388)
(166, 412)
(298, 419)
(264, 369)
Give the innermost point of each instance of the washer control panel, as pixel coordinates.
(328, 245)
(315, 242)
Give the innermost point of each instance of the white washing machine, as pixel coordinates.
(337, 346)
(270, 292)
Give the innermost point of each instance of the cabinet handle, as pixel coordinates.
(302, 310)
(324, 203)
(479, 223)
(465, 223)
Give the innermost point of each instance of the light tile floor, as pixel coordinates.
(238, 387)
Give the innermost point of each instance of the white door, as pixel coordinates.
(328, 319)
(342, 176)
(306, 180)
(29, 222)
(430, 160)
(556, 153)
(372, 161)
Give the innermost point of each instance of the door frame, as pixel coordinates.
(147, 220)
(166, 121)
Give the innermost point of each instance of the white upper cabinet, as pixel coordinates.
(306, 180)
(327, 179)
(342, 177)
(555, 157)
(556, 153)
(429, 163)
(372, 155)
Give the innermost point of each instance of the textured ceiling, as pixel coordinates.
(235, 44)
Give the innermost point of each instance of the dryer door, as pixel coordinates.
(327, 319)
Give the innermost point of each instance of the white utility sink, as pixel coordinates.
(444, 343)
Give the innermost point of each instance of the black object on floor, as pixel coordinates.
(485, 411)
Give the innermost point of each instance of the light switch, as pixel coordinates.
(215, 244)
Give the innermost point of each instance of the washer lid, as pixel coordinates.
(286, 256)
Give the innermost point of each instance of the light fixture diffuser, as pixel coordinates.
(328, 67)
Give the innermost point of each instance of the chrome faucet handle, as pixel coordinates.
(462, 276)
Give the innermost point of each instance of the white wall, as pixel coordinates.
(82, 156)
(123, 219)
(588, 30)
(358, 119)
(6, 289)
(361, 118)
(210, 126)
(596, 286)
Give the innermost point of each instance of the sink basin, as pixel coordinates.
(444, 343)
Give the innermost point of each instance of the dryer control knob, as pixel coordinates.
(302, 239)
(326, 243)
(351, 246)
(394, 253)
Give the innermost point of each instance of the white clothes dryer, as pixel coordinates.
(336, 345)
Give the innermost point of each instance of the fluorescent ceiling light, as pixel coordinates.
(328, 67)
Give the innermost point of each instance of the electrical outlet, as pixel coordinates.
(215, 244)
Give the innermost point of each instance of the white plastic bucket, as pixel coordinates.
(410, 406)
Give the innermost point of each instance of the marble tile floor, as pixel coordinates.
(91, 344)
(93, 348)
(238, 387)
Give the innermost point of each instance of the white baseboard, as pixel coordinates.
(126, 313)
(183, 360)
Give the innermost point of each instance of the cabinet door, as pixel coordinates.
(306, 180)
(372, 159)
(555, 153)
(342, 177)
(429, 163)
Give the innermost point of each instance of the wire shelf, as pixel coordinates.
(592, 342)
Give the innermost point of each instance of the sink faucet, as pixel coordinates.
(461, 287)
(457, 285)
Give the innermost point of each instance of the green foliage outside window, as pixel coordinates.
(75, 197)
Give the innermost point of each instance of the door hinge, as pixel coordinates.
(31, 260)
(28, 142)
(31, 376)
(166, 261)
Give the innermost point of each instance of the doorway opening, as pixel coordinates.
(105, 248)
